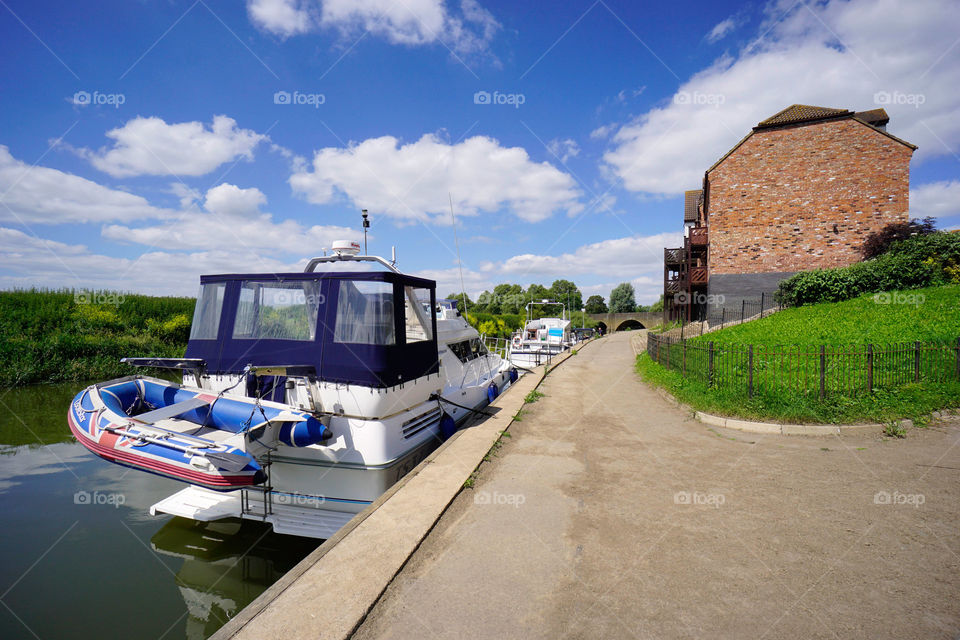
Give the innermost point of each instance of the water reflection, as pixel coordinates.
(81, 557)
(226, 565)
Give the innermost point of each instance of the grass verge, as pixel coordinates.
(909, 401)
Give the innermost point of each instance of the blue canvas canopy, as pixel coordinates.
(366, 328)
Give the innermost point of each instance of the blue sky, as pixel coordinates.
(145, 143)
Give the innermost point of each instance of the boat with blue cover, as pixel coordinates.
(304, 396)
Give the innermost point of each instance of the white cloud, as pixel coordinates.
(721, 29)
(617, 257)
(230, 200)
(41, 195)
(847, 54)
(936, 199)
(563, 149)
(411, 181)
(150, 146)
(602, 131)
(233, 221)
(411, 22)
(281, 17)
(647, 289)
(32, 261)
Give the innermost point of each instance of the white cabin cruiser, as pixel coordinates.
(541, 339)
(305, 396)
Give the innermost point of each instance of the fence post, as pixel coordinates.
(743, 309)
(723, 316)
(870, 368)
(958, 358)
(668, 353)
(659, 350)
(684, 370)
(761, 303)
(916, 361)
(823, 372)
(749, 370)
(710, 365)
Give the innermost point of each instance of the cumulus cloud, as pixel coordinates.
(232, 220)
(150, 146)
(41, 195)
(936, 199)
(856, 54)
(412, 22)
(280, 17)
(33, 261)
(411, 181)
(617, 257)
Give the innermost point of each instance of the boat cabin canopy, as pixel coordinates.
(365, 328)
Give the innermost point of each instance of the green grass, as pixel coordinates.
(60, 336)
(533, 396)
(935, 317)
(909, 401)
(787, 388)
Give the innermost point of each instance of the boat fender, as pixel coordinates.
(303, 434)
(514, 375)
(447, 426)
(492, 392)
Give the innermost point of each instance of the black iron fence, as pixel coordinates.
(846, 370)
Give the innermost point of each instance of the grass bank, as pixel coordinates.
(786, 388)
(67, 336)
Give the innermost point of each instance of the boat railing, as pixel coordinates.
(496, 345)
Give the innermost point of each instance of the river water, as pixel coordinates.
(81, 556)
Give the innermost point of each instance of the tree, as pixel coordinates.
(879, 241)
(595, 304)
(622, 298)
(657, 306)
(509, 297)
(567, 292)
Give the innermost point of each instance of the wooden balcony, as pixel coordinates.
(699, 275)
(699, 236)
(674, 256)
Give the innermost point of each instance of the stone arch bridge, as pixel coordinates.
(621, 321)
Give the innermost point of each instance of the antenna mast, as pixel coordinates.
(463, 289)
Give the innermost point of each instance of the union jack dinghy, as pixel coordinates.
(304, 396)
(160, 427)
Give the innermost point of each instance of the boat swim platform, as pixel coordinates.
(330, 592)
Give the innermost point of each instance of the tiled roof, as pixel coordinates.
(875, 117)
(801, 113)
(690, 201)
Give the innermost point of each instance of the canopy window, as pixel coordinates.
(277, 310)
(206, 315)
(365, 313)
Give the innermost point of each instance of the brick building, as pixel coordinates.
(801, 191)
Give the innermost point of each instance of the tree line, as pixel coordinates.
(512, 299)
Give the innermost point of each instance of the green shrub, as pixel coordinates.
(920, 261)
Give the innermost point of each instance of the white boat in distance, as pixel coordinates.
(305, 396)
(541, 339)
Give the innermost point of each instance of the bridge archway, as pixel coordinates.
(630, 324)
(602, 326)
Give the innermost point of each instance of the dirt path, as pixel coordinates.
(612, 514)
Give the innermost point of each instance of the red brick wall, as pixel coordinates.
(773, 202)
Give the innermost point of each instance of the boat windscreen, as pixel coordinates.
(416, 319)
(277, 310)
(365, 313)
